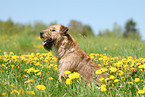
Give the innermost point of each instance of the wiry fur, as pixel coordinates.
(70, 56)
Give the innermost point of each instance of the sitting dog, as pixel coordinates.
(70, 56)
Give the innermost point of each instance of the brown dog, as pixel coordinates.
(70, 56)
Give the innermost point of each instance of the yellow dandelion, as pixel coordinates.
(141, 91)
(50, 78)
(105, 48)
(68, 81)
(113, 69)
(3, 93)
(41, 87)
(38, 73)
(76, 75)
(71, 76)
(130, 82)
(112, 77)
(31, 92)
(67, 72)
(14, 91)
(5, 83)
(137, 80)
(98, 72)
(116, 80)
(101, 79)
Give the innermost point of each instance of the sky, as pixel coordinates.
(99, 14)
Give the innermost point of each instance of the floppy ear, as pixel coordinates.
(63, 29)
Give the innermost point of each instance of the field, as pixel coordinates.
(27, 69)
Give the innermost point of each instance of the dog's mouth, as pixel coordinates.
(48, 43)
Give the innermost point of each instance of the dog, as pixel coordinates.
(70, 56)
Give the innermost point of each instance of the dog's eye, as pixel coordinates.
(53, 30)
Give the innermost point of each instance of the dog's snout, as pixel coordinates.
(41, 33)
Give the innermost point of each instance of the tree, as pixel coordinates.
(87, 31)
(77, 27)
(130, 30)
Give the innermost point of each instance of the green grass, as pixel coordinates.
(13, 68)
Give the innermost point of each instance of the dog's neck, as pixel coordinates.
(66, 45)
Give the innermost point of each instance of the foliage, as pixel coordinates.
(117, 31)
(77, 27)
(130, 30)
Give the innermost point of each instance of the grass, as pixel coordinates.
(27, 65)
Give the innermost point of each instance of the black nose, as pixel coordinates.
(41, 33)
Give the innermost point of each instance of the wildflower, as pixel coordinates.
(31, 80)
(101, 79)
(137, 80)
(98, 72)
(3, 65)
(104, 69)
(11, 53)
(107, 79)
(68, 81)
(67, 72)
(12, 85)
(21, 90)
(112, 77)
(36, 70)
(113, 69)
(71, 76)
(130, 82)
(105, 48)
(25, 75)
(41, 87)
(38, 73)
(31, 92)
(3, 93)
(103, 88)
(14, 91)
(76, 75)
(5, 83)
(50, 78)
(116, 80)
(141, 91)
(123, 78)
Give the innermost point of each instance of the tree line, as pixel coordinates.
(76, 27)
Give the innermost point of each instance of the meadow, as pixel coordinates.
(27, 69)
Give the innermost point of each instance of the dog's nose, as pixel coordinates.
(41, 33)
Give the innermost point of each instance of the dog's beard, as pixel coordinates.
(48, 44)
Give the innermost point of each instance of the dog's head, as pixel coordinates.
(52, 34)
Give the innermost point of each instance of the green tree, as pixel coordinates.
(77, 28)
(131, 31)
(87, 31)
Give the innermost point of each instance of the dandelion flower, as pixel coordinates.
(31, 92)
(3, 93)
(137, 80)
(41, 87)
(68, 81)
(101, 79)
(50, 78)
(130, 82)
(116, 80)
(67, 72)
(112, 77)
(98, 72)
(141, 91)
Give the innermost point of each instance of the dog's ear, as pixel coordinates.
(63, 29)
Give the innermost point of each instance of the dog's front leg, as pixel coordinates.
(60, 75)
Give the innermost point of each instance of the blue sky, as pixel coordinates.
(99, 14)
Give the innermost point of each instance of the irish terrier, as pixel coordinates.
(70, 56)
